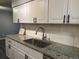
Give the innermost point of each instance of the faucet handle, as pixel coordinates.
(45, 36)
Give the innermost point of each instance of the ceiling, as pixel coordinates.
(5, 3)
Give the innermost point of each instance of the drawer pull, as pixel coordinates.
(26, 57)
(9, 46)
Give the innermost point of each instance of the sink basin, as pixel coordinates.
(38, 43)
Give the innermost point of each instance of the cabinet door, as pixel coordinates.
(39, 11)
(57, 10)
(19, 54)
(19, 13)
(74, 11)
(22, 13)
(34, 11)
(11, 53)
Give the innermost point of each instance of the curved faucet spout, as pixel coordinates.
(43, 31)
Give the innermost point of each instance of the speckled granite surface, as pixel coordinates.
(55, 50)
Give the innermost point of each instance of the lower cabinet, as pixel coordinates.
(16, 54)
(13, 51)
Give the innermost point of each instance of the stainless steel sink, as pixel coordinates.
(38, 43)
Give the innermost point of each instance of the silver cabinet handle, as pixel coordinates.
(26, 57)
(64, 19)
(68, 18)
(35, 20)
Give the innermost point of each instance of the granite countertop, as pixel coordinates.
(55, 50)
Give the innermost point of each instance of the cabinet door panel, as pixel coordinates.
(57, 10)
(74, 11)
(39, 10)
(22, 13)
(17, 53)
(11, 53)
(42, 11)
(31, 11)
(7, 48)
(19, 13)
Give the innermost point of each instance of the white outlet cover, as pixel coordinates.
(21, 31)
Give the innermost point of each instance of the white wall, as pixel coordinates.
(64, 34)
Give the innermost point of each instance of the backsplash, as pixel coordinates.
(64, 34)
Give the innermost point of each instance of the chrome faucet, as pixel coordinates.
(43, 31)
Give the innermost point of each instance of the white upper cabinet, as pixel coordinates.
(18, 2)
(31, 12)
(19, 14)
(57, 11)
(73, 12)
(39, 11)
